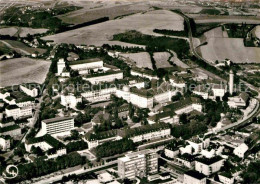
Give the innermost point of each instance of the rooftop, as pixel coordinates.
(143, 129)
(209, 161)
(57, 119)
(85, 61)
(195, 174)
(10, 107)
(180, 104)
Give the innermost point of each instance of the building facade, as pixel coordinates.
(59, 125)
(138, 164)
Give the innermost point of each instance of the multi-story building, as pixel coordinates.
(94, 140)
(173, 149)
(60, 66)
(147, 132)
(10, 128)
(219, 90)
(241, 150)
(144, 98)
(198, 144)
(177, 82)
(70, 100)
(194, 177)
(5, 142)
(84, 66)
(46, 143)
(108, 76)
(184, 106)
(202, 91)
(138, 164)
(30, 89)
(99, 94)
(238, 101)
(208, 166)
(57, 126)
(187, 160)
(18, 112)
(143, 73)
(226, 178)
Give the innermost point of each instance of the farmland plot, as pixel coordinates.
(23, 70)
(161, 59)
(102, 33)
(230, 48)
(22, 31)
(141, 59)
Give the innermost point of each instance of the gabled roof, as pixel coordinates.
(244, 96)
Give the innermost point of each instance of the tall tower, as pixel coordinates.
(231, 82)
(61, 66)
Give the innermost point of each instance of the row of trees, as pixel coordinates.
(113, 148)
(41, 167)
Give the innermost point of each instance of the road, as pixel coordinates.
(35, 116)
(77, 172)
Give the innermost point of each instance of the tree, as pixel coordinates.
(176, 97)
(183, 118)
(131, 110)
(80, 105)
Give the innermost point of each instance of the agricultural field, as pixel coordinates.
(220, 47)
(21, 48)
(4, 49)
(102, 33)
(23, 70)
(21, 31)
(231, 48)
(95, 10)
(161, 59)
(257, 32)
(141, 59)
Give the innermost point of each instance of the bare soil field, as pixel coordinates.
(23, 70)
(22, 31)
(230, 48)
(21, 47)
(161, 59)
(141, 59)
(102, 33)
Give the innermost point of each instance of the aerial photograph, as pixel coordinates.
(130, 91)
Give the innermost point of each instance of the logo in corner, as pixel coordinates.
(11, 172)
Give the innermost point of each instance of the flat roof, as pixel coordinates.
(209, 161)
(195, 174)
(57, 119)
(85, 61)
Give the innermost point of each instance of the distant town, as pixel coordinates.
(129, 92)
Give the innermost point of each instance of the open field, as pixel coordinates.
(22, 31)
(200, 19)
(4, 49)
(20, 70)
(161, 59)
(230, 48)
(96, 10)
(102, 33)
(257, 32)
(142, 59)
(21, 48)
